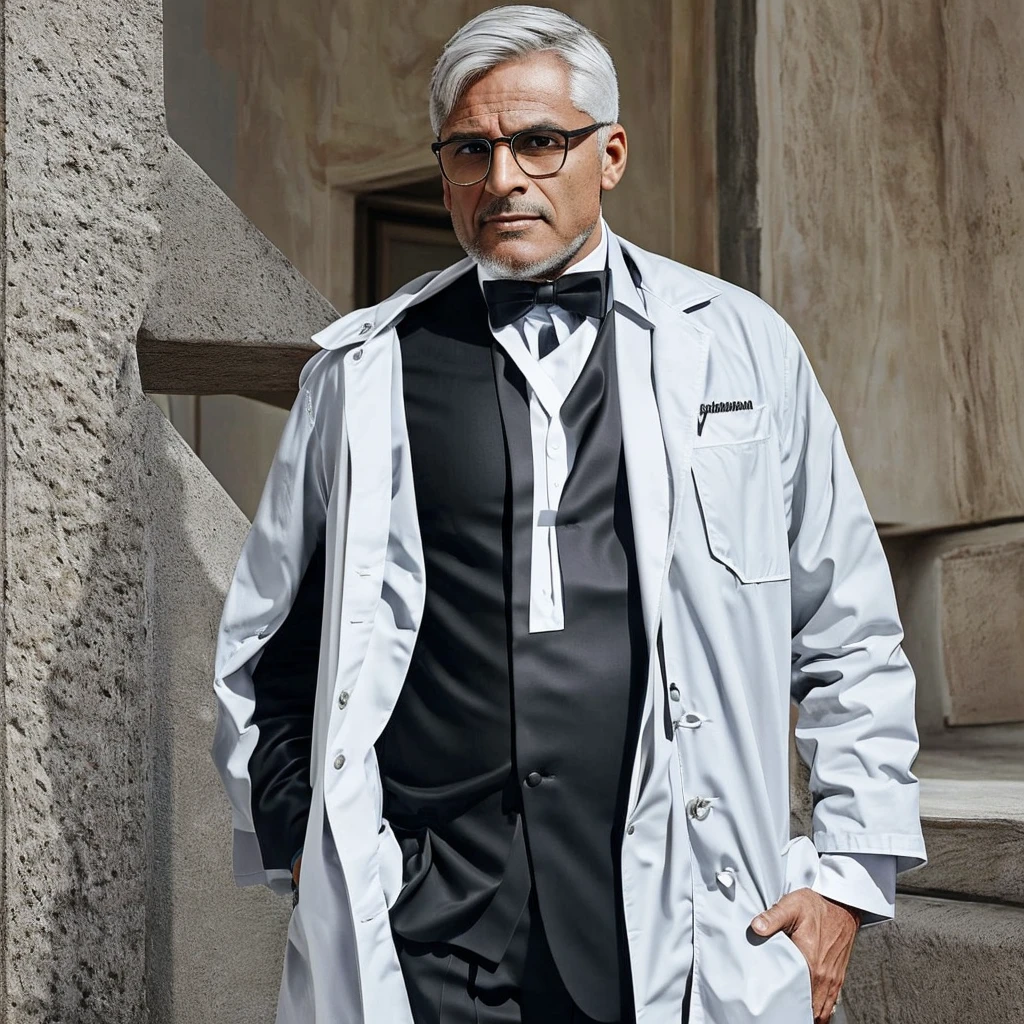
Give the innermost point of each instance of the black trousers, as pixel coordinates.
(447, 985)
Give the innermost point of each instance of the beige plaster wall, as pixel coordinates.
(892, 208)
(237, 443)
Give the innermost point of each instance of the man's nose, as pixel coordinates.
(505, 175)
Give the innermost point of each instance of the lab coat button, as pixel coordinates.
(725, 878)
(534, 779)
(631, 829)
(699, 807)
(339, 761)
(342, 698)
(366, 328)
(357, 355)
(673, 692)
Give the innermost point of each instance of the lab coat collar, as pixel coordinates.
(674, 284)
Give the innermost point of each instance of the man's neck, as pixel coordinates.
(591, 256)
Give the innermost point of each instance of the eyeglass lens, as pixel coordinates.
(537, 153)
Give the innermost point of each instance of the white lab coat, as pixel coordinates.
(757, 557)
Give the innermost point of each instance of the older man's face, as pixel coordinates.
(558, 213)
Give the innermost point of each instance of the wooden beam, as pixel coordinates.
(197, 367)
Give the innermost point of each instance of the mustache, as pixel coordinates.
(504, 207)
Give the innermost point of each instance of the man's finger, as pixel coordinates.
(779, 917)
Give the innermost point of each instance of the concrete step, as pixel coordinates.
(972, 813)
(939, 962)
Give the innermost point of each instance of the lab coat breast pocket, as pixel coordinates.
(738, 477)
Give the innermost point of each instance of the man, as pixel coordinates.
(551, 541)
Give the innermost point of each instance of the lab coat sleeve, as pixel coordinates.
(866, 881)
(289, 522)
(852, 682)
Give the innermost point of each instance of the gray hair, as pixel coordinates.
(512, 32)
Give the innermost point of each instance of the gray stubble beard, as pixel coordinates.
(546, 268)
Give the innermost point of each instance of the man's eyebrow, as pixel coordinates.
(543, 126)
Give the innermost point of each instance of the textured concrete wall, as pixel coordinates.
(215, 951)
(892, 207)
(84, 138)
(117, 546)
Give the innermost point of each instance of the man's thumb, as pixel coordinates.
(774, 919)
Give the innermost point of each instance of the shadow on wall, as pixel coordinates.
(213, 952)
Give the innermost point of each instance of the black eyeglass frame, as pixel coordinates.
(576, 133)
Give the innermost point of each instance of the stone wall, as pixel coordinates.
(83, 144)
(892, 213)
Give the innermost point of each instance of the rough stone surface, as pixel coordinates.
(84, 141)
(228, 312)
(117, 547)
(215, 950)
(938, 962)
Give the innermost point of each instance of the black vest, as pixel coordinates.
(507, 757)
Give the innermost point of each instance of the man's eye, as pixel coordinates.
(539, 141)
(472, 148)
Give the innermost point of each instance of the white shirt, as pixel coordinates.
(554, 447)
(867, 881)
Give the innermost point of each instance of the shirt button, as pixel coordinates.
(534, 779)
(673, 692)
(342, 698)
(339, 761)
(554, 444)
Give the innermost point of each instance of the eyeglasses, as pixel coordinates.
(539, 152)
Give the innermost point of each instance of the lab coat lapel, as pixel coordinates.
(680, 356)
(642, 441)
(680, 346)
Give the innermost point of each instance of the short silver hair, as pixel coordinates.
(515, 31)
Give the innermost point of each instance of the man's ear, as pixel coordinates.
(613, 160)
(447, 193)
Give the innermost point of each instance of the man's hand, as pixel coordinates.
(824, 930)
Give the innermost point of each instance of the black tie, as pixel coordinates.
(547, 340)
(508, 300)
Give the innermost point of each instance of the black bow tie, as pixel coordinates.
(586, 293)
